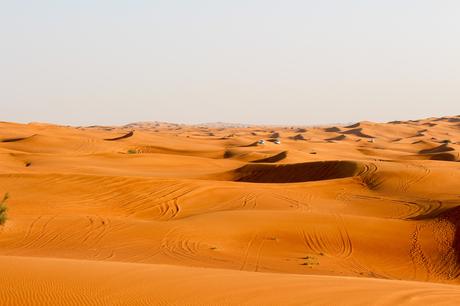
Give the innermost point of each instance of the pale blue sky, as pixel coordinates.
(280, 62)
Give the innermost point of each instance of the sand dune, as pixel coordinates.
(187, 215)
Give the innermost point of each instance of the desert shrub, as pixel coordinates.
(131, 151)
(3, 208)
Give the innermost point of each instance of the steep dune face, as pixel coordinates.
(337, 138)
(443, 152)
(15, 139)
(293, 173)
(272, 159)
(127, 135)
(298, 137)
(445, 156)
(357, 132)
(439, 149)
(205, 215)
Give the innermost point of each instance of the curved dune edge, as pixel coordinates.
(127, 135)
(337, 138)
(354, 125)
(295, 173)
(439, 149)
(16, 139)
(41, 281)
(298, 137)
(253, 144)
(272, 159)
(445, 156)
(332, 129)
(443, 152)
(357, 132)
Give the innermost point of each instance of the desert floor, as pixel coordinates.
(167, 214)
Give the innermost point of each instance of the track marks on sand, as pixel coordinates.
(251, 259)
(432, 250)
(331, 239)
(415, 174)
(88, 234)
(179, 245)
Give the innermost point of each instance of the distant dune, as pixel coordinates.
(155, 213)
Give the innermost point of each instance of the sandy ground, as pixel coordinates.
(166, 214)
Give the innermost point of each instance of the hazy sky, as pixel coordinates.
(281, 62)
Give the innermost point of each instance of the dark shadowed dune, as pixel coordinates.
(127, 135)
(298, 137)
(352, 126)
(446, 156)
(272, 159)
(332, 129)
(357, 132)
(292, 173)
(15, 139)
(337, 138)
(439, 149)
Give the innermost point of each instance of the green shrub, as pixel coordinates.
(3, 208)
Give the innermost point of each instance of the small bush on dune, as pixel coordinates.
(3, 208)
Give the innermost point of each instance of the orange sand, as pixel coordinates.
(164, 214)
